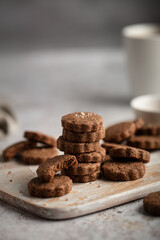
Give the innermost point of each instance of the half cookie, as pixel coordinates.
(59, 186)
(48, 169)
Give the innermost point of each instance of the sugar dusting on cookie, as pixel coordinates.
(84, 114)
(82, 122)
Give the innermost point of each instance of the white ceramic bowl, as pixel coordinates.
(147, 107)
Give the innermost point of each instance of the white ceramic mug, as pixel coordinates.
(142, 44)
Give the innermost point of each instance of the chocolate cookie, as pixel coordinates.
(150, 129)
(59, 186)
(151, 203)
(139, 123)
(92, 157)
(16, 148)
(85, 178)
(48, 169)
(82, 169)
(38, 155)
(123, 171)
(40, 137)
(130, 153)
(72, 147)
(83, 137)
(82, 122)
(109, 146)
(145, 142)
(119, 132)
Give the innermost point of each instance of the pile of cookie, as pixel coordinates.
(36, 149)
(123, 162)
(82, 132)
(127, 147)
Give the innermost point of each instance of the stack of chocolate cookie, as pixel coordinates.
(36, 149)
(124, 163)
(82, 132)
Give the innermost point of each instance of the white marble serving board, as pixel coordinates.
(83, 199)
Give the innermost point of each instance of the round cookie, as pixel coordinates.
(109, 146)
(150, 129)
(85, 178)
(130, 153)
(82, 122)
(16, 148)
(40, 137)
(38, 155)
(151, 203)
(59, 186)
(145, 142)
(72, 147)
(123, 171)
(83, 137)
(92, 157)
(119, 132)
(82, 169)
(48, 169)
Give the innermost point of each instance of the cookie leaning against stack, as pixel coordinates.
(82, 132)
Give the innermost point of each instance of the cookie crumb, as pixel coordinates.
(10, 180)
(66, 199)
(98, 186)
(20, 191)
(9, 172)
